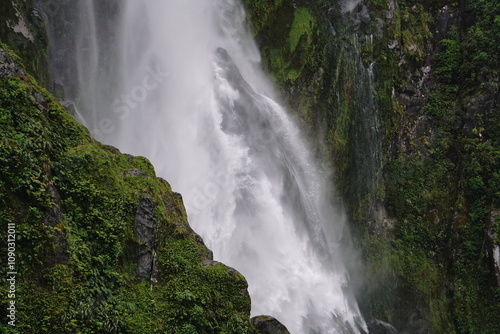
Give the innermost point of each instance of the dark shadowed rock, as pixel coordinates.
(265, 324)
(380, 327)
(8, 68)
(145, 232)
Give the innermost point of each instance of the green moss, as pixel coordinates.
(74, 203)
(441, 187)
(288, 35)
(261, 12)
(195, 297)
(412, 29)
(292, 53)
(303, 24)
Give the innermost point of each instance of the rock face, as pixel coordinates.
(145, 231)
(268, 325)
(8, 68)
(22, 28)
(402, 98)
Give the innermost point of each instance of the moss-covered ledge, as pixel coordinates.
(102, 244)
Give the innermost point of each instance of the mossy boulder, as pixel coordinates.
(265, 324)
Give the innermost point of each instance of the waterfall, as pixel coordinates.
(180, 82)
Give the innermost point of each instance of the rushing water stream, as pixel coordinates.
(180, 82)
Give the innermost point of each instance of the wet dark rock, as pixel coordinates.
(379, 28)
(39, 98)
(380, 222)
(145, 232)
(478, 109)
(446, 18)
(364, 15)
(69, 106)
(380, 327)
(265, 324)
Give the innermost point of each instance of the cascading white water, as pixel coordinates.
(180, 83)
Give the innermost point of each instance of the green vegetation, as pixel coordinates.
(303, 24)
(260, 12)
(290, 40)
(427, 266)
(443, 188)
(74, 202)
(297, 52)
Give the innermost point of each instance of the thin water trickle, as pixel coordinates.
(180, 82)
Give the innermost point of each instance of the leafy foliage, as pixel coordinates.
(74, 202)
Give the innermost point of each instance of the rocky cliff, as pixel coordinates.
(102, 244)
(402, 98)
(399, 96)
(22, 28)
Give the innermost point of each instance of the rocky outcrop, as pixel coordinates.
(8, 68)
(145, 231)
(105, 245)
(22, 28)
(268, 325)
(103, 236)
